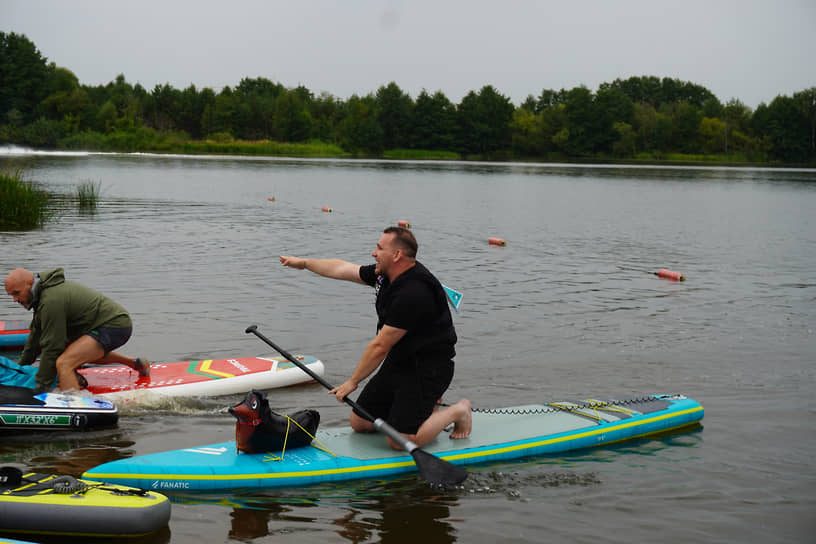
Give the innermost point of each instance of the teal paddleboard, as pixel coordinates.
(341, 454)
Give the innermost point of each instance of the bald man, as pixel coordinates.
(72, 325)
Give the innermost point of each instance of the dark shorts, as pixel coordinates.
(406, 400)
(111, 338)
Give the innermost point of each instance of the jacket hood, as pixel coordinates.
(47, 279)
(51, 278)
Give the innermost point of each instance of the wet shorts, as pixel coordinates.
(406, 400)
(111, 338)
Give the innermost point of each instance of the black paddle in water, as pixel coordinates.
(435, 470)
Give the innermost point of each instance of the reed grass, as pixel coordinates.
(87, 194)
(22, 205)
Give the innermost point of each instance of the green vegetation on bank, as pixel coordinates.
(637, 119)
(22, 205)
(265, 147)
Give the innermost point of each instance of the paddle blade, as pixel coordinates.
(436, 471)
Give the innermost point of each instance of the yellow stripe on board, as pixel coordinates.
(210, 477)
(205, 367)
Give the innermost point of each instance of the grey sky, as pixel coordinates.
(752, 50)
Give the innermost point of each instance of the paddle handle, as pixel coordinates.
(379, 424)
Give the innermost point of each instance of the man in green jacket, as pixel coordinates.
(72, 325)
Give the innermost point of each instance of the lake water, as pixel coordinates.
(568, 309)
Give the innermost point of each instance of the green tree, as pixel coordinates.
(189, 108)
(106, 117)
(581, 121)
(663, 132)
(42, 133)
(164, 105)
(611, 106)
(549, 97)
(530, 104)
(713, 135)
(656, 91)
(259, 86)
(737, 117)
(644, 117)
(526, 141)
(533, 134)
(67, 101)
(624, 145)
(359, 130)
(222, 114)
(326, 111)
(685, 126)
(484, 122)
(291, 119)
(806, 101)
(394, 109)
(786, 129)
(433, 123)
(24, 78)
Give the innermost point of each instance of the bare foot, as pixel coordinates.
(464, 423)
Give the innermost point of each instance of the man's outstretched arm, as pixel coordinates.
(337, 269)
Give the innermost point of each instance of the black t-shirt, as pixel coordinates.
(416, 303)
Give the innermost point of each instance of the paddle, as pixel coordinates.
(435, 470)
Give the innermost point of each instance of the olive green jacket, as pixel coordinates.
(64, 311)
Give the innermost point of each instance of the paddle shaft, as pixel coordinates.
(435, 470)
(378, 423)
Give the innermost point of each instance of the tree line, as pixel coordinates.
(647, 117)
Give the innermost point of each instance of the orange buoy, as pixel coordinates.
(404, 224)
(327, 208)
(496, 241)
(271, 199)
(670, 275)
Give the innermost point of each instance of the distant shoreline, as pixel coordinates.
(320, 150)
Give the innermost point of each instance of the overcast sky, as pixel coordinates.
(752, 50)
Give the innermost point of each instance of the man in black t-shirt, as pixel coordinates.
(414, 342)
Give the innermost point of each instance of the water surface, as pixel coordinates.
(569, 309)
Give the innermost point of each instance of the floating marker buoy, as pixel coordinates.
(670, 275)
(327, 208)
(404, 224)
(271, 199)
(496, 241)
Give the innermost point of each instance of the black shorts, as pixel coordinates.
(111, 338)
(406, 400)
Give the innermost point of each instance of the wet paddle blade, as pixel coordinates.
(437, 471)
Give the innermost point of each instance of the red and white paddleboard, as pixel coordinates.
(13, 334)
(212, 377)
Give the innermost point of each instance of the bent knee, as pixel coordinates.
(360, 425)
(67, 363)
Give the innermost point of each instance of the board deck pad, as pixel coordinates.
(339, 454)
(203, 377)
